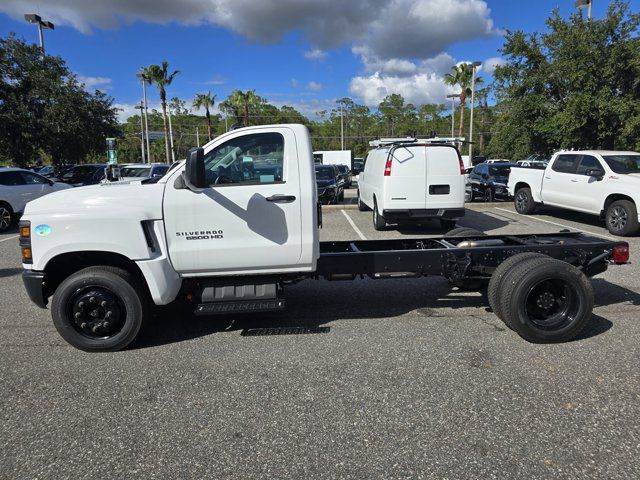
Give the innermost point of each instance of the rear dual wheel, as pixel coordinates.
(542, 299)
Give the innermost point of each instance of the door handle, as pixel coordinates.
(547, 178)
(574, 181)
(281, 199)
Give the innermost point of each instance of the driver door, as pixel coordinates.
(248, 220)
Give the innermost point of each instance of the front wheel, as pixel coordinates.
(99, 309)
(523, 202)
(361, 205)
(622, 218)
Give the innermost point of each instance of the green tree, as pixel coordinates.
(45, 111)
(160, 76)
(206, 101)
(574, 86)
(242, 105)
(462, 76)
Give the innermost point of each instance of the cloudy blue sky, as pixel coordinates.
(304, 53)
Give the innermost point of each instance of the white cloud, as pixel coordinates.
(314, 86)
(490, 64)
(389, 28)
(315, 54)
(295, 83)
(94, 83)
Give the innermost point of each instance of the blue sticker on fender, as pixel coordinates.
(42, 230)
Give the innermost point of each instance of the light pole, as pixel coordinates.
(453, 113)
(33, 18)
(585, 3)
(141, 108)
(143, 77)
(474, 66)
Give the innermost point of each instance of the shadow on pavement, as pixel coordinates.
(9, 272)
(472, 219)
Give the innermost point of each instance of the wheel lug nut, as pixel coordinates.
(77, 315)
(95, 328)
(103, 303)
(92, 299)
(108, 314)
(83, 325)
(106, 324)
(81, 304)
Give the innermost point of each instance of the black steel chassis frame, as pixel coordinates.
(442, 256)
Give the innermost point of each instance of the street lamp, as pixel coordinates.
(453, 113)
(141, 108)
(474, 66)
(143, 77)
(585, 4)
(33, 18)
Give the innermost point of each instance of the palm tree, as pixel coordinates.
(462, 76)
(245, 102)
(160, 76)
(206, 101)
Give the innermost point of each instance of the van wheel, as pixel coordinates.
(379, 223)
(6, 217)
(361, 205)
(545, 300)
(523, 202)
(622, 218)
(99, 309)
(495, 284)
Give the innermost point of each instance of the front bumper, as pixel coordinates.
(425, 214)
(34, 284)
(327, 194)
(501, 191)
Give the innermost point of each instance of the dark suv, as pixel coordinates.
(330, 184)
(489, 181)
(82, 175)
(346, 175)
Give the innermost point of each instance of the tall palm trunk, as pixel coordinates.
(461, 128)
(163, 99)
(208, 121)
(246, 114)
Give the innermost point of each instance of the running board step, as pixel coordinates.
(225, 308)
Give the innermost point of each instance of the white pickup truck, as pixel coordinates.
(228, 229)
(604, 183)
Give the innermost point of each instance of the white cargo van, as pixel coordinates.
(413, 182)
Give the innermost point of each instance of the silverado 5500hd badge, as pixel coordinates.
(201, 235)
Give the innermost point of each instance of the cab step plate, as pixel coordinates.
(225, 308)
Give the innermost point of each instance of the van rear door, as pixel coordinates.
(445, 183)
(406, 184)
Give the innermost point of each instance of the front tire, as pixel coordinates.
(6, 217)
(622, 218)
(523, 202)
(99, 309)
(361, 205)
(379, 222)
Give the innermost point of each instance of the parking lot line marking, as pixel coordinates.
(562, 225)
(9, 238)
(362, 237)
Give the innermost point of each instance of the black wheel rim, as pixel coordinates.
(96, 312)
(618, 218)
(522, 201)
(5, 218)
(552, 304)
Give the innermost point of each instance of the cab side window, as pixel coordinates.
(566, 164)
(247, 160)
(11, 179)
(588, 163)
(32, 179)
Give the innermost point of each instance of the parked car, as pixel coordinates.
(81, 175)
(346, 175)
(411, 182)
(141, 171)
(329, 183)
(489, 181)
(17, 187)
(603, 183)
(357, 165)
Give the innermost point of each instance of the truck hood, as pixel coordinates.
(142, 201)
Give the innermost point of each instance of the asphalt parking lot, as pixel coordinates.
(406, 379)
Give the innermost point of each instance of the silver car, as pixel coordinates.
(17, 187)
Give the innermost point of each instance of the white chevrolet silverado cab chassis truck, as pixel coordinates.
(230, 227)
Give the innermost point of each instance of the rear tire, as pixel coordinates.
(622, 218)
(462, 232)
(523, 202)
(6, 217)
(546, 300)
(99, 309)
(495, 284)
(379, 222)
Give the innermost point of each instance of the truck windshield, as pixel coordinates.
(623, 163)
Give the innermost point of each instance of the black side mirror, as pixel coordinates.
(194, 174)
(596, 173)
